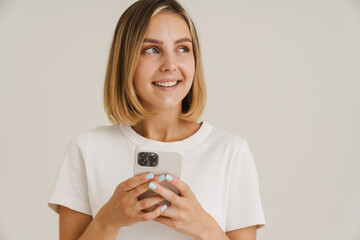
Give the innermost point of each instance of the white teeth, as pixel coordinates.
(166, 84)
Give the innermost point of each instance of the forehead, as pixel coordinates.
(167, 25)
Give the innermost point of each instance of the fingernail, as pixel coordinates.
(150, 176)
(163, 208)
(168, 177)
(161, 178)
(152, 186)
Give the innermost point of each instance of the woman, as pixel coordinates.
(155, 93)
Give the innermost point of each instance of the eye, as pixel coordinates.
(146, 50)
(186, 49)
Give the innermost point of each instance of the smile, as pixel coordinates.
(166, 86)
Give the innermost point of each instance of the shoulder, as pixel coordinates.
(104, 131)
(99, 133)
(227, 139)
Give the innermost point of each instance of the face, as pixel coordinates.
(166, 57)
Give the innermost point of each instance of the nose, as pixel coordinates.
(169, 63)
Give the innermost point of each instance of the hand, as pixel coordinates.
(185, 214)
(124, 208)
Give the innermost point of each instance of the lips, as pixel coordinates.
(167, 80)
(165, 84)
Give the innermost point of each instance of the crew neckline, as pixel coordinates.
(197, 137)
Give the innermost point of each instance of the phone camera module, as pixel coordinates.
(149, 159)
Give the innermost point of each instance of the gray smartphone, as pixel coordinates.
(158, 162)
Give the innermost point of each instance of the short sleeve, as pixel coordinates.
(71, 188)
(244, 206)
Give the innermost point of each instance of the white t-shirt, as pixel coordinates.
(218, 167)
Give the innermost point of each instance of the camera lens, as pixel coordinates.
(142, 155)
(152, 159)
(142, 162)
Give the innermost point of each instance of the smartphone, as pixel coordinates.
(158, 162)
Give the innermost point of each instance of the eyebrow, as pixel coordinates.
(151, 40)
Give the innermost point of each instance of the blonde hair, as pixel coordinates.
(120, 101)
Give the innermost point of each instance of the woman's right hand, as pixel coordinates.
(124, 208)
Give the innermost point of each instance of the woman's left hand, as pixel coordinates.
(185, 214)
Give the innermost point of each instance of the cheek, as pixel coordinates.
(144, 69)
(138, 69)
(190, 69)
(140, 74)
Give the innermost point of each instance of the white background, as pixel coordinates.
(282, 74)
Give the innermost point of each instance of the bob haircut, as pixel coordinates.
(120, 100)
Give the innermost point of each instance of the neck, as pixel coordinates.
(164, 126)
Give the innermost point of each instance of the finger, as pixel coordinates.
(164, 220)
(151, 215)
(166, 193)
(149, 209)
(148, 202)
(172, 212)
(183, 188)
(135, 181)
(144, 187)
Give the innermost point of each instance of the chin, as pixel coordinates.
(168, 105)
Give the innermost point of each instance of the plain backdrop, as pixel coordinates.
(282, 74)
